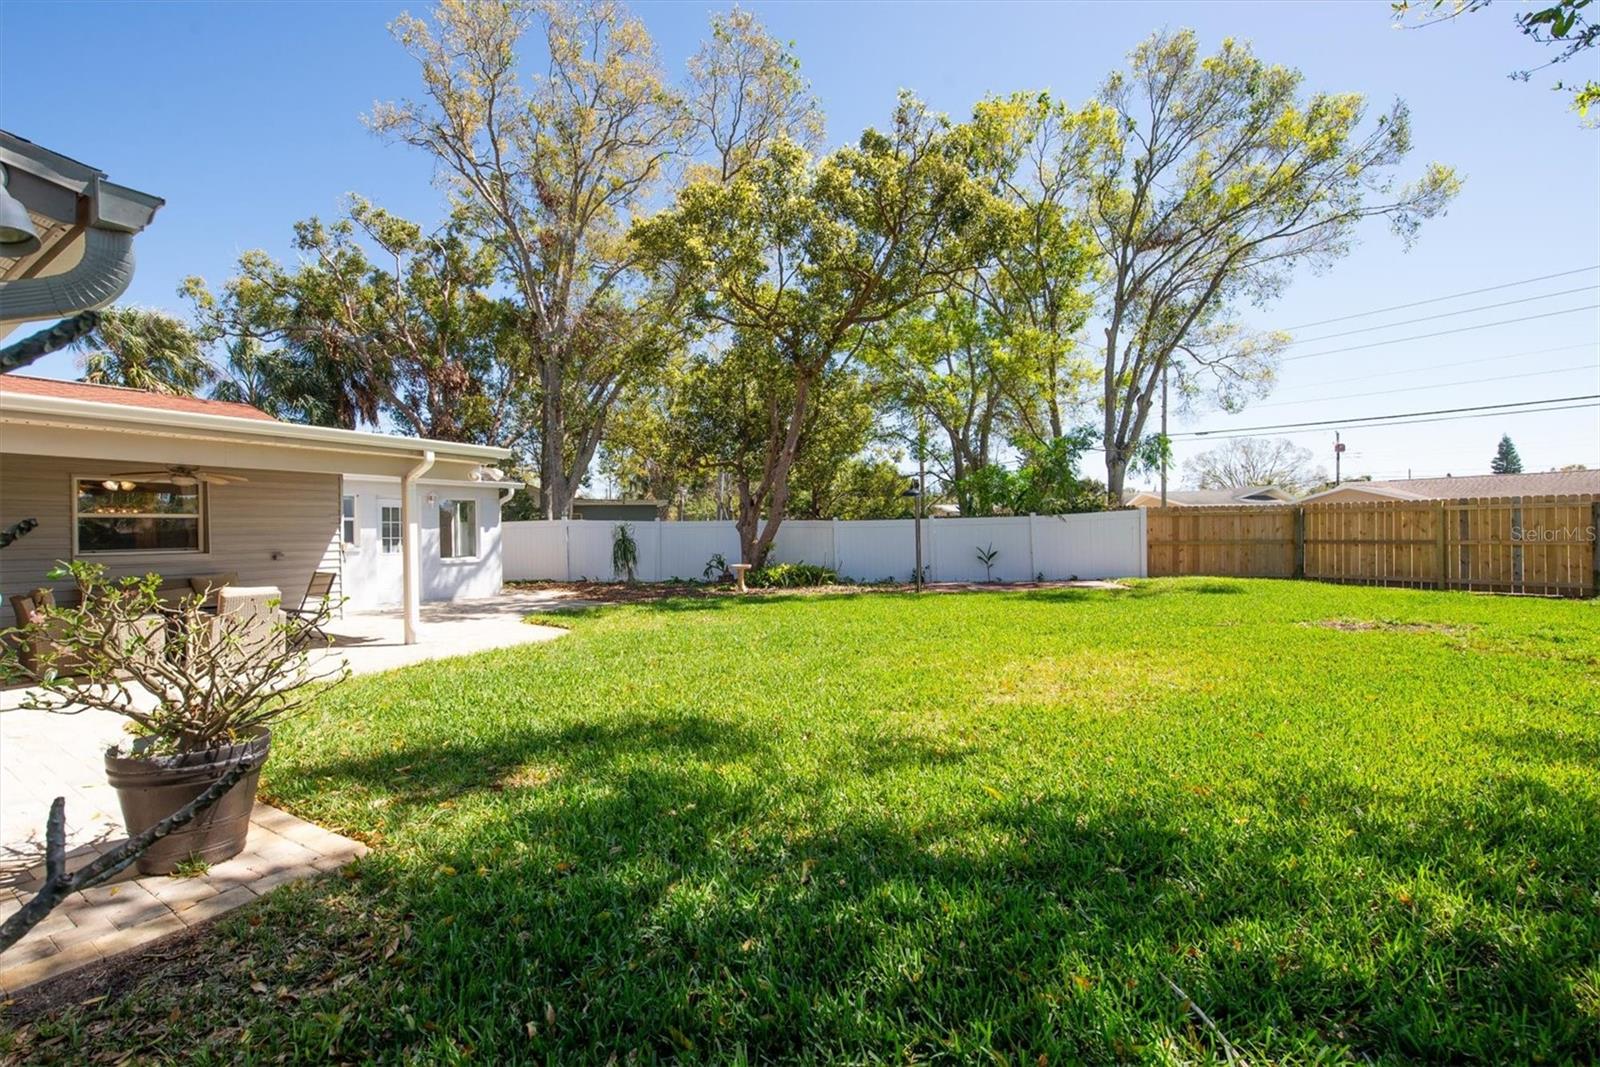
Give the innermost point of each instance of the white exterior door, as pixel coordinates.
(372, 562)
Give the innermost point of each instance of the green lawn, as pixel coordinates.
(1348, 823)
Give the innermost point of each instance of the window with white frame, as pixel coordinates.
(458, 529)
(119, 515)
(347, 520)
(390, 530)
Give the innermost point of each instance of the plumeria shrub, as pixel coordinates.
(185, 677)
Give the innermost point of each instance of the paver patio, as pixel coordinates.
(46, 755)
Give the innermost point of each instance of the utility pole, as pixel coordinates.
(1338, 456)
(922, 488)
(1164, 435)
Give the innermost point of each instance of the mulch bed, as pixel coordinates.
(186, 953)
(649, 592)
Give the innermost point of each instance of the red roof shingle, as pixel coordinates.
(133, 398)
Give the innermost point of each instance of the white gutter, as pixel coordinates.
(163, 423)
(411, 595)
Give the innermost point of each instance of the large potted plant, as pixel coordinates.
(200, 689)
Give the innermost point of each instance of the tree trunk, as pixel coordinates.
(774, 489)
(1116, 462)
(1116, 472)
(555, 495)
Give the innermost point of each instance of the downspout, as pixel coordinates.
(410, 595)
(100, 276)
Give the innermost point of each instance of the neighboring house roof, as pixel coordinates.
(1238, 495)
(607, 508)
(23, 384)
(1545, 483)
(633, 501)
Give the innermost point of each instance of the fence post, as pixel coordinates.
(833, 532)
(566, 544)
(1299, 541)
(1516, 544)
(1144, 539)
(1032, 564)
(661, 567)
(1594, 539)
(1444, 550)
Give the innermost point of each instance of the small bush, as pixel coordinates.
(790, 576)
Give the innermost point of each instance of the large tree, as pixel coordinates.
(993, 360)
(378, 321)
(1035, 153)
(745, 95)
(946, 370)
(1217, 179)
(548, 171)
(794, 263)
(1255, 461)
(142, 348)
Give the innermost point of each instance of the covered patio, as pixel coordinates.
(50, 755)
(141, 482)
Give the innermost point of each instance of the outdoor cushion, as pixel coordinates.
(208, 585)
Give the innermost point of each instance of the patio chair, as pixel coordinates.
(39, 648)
(311, 605)
(250, 617)
(42, 650)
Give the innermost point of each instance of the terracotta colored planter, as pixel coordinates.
(150, 789)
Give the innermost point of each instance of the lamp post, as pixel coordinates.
(919, 490)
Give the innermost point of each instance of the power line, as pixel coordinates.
(1447, 314)
(1432, 385)
(1223, 435)
(1441, 333)
(1447, 296)
(1396, 415)
(1442, 366)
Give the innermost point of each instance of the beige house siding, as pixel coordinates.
(275, 529)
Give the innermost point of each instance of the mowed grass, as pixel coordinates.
(1349, 824)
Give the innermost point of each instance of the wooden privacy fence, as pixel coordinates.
(1541, 545)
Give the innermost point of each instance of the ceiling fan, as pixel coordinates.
(176, 474)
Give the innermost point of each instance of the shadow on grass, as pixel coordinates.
(678, 886)
(658, 900)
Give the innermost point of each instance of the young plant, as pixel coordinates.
(790, 576)
(624, 552)
(987, 556)
(716, 567)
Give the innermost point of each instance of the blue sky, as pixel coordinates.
(246, 117)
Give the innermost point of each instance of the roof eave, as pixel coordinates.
(15, 404)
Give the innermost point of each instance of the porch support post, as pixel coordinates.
(410, 555)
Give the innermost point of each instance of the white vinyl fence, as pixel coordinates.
(1099, 545)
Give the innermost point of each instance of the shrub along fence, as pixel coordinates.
(1542, 545)
(1099, 545)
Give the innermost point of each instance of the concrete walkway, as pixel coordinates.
(44, 755)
